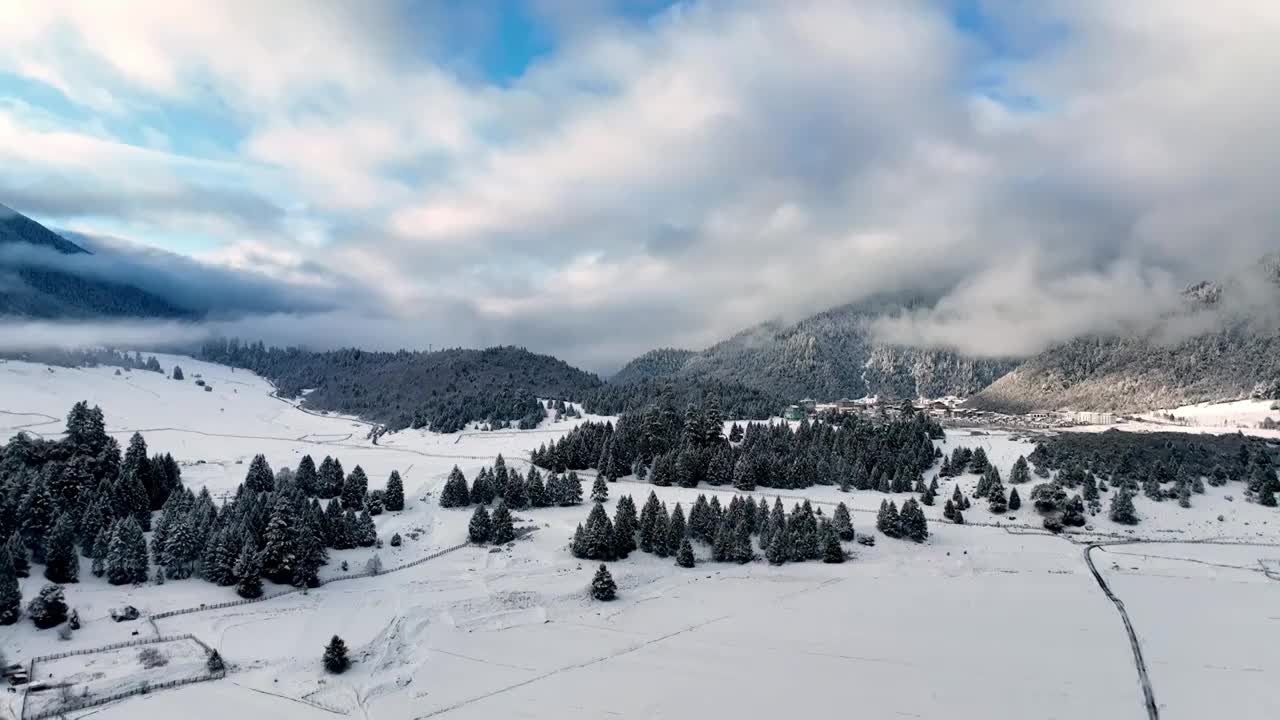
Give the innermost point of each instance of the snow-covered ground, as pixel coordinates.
(1213, 418)
(979, 622)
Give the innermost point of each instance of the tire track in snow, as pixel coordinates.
(567, 668)
(1153, 710)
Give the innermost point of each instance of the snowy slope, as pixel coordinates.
(980, 622)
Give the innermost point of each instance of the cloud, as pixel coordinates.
(670, 177)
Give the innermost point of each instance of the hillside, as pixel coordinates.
(35, 289)
(443, 390)
(1238, 358)
(828, 355)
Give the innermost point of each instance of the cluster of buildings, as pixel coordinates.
(948, 410)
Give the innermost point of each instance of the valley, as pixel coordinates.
(995, 618)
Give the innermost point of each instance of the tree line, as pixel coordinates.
(79, 496)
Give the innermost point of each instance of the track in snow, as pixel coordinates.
(1153, 710)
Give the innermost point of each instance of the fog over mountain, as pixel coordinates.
(1039, 171)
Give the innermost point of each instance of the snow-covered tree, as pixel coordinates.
(335, 658)
(259, 477)
(481, 528)
(126, 560)
(842, 523)
(602, 585)
(10, 591)
(62, 563)
(354, 488)
(600, 490)
(248, 571)
(684, 556)
(49, 608)
(503, 529)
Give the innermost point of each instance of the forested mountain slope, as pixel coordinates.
(34, 289)
(441, 390)
(827, 356)
(1237, 356)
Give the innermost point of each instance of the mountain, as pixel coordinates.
(1236, 356)
(829, 355)
(32, 287)
(442, 390)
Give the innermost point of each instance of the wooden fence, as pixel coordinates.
(143, 688)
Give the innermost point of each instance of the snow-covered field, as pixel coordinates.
(979, 622)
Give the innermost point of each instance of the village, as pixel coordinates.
(949, 411)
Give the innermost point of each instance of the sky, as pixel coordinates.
(595, 178)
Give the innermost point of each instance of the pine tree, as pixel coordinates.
(277, 560)
(996, 501)
(335, 656)
(1122, 510)
(503, 530)
(36, 517)
(101, 546)
(10, 591)
(366, 530)
(676, 530)
(598, 541)
(684, 556)
(455, 492)
(573, 489)
(831, 550)
(887, 520)
(1015, 501)
(535, 490)
(949, 509)
(393, 498)
(374, 503)
(1020, 473)
(913, 522)
(515, 494)
(248, 570)
(744, 479)
(979, 463)
(305, 477)
(661, 529)
(215, 663)
(49, 608)
(126, 560)
(259, 477)
(603, 586)
(354, 488)
(743, 552)
(329, 478)
(625, 524)
(779, 550)
(600, 490)
(842, 523)
(481, 528)
(648, 519)
(62, 564)
(959, 518)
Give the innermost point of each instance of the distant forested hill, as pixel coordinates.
(30, 289)
(441, 390)
(827, 356)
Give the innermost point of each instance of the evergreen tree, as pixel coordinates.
(779, 550)
(1122, 510)
(831, 550)
(335, 656)
(126, 560)
(503, 530)
(978, 463)
(36, 516)
(374, 503)
(842, 523)
(62, 564)
(743, 552)
(625, 525)
(500, 477)
(602, 585)
(648, 521)
(259, 477)
(600, 490)
(393, 498)
(913, 522)
(1015, 501)
(305, 477)
(949, 509)
(887, 520)
(676, 530)
(598, 540)
(572, 494)
(744, 478)
(926, 497)
(455, 492)
(277, 560)
(354, 488)
(366, 530)
(329, 478)
(1074, 513)
(248, 570)
(684, 556)
(722, 544)
(959, 518)
(1020, 473)
(515, 495)
(996, 501)
(215, 663)
(101, 547)
(535, 490)
(661, 530)
(481, 528)
(10, 592)
(49, 608)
